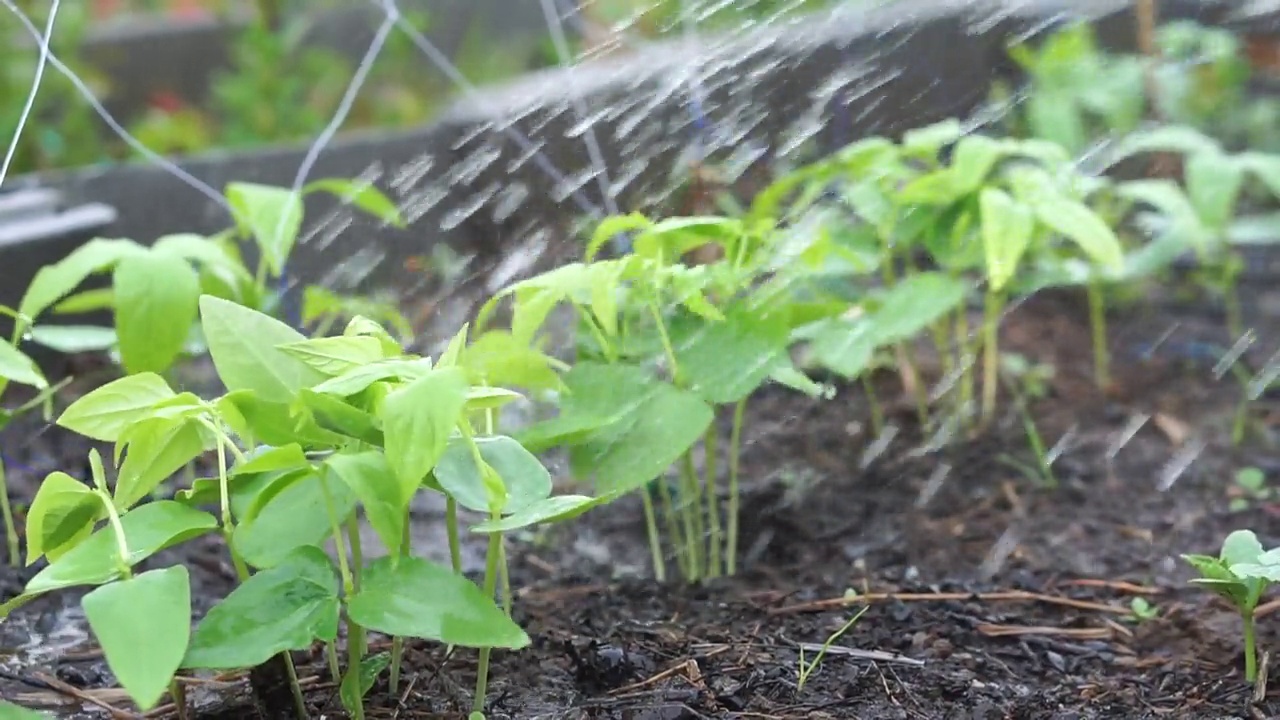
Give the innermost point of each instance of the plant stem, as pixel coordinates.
(397, 642)
(965, 358)
(451, 529)
(991, 356)
(1250, 648)
(655, 541)
(735, 447)
(673, 527)
(873, 404)
(690, 501)
(941, 342)
(179, 697)
(122, 545)
(331, 656)
(299, 700)
(911, 377)
(716, 537)
(504, 573)
(1230, 298)
(1098, 321)
(357, 643)
(490, 587)
(10, 531)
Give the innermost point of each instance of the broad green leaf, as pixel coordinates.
(198, 248)
(417, 420)
(86, 301)
(362, 326)
(913, 304)
(359, 680)
(845, 347)
(547, 510)
(1261, 229)
(1213, 182)
(1254, 571)
(789, 376)
(336, 355)
(74, 339)
(298, 516)
(244, 346)
(148, 529)
(726, 361)
(16, 366)
(272, 215)
(1006, 233)
(1075, 221)
(525, 478)
(371, 479)
(53, 282)
(929, 140)
(974, 158)
(497, 358)
(490, 398)
(274, 423)
(270, 459)
(9, 711)
(611, 227)
(359, 378)
(334, 415)
(1240, 547)
(361, 194)
(157, 448)
(156, 297)
(411, 597)
(62, 514)
(1054, 115)
(1265, 166)
(143, 624)
(287, 607)
(1170, 138)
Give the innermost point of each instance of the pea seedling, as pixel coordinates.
(1240, 573)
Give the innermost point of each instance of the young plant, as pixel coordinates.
(155, 290)
(312, 436)
(1240, 573)
(1250, 486)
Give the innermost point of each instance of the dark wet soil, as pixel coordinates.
(986, 595)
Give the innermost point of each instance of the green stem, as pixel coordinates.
(942, 343)
(1250, 649)
(299, 700)
(10, 530)
(991, 356)
(715, 541)
(912, 376)
(673, 527)
(690, 502)
(397, 642)
(1098, 321)
(179, 696)
(331, 656)
(492, 558)
(735, 447)
(504, 574)
(964, 357)
(451, 529)
(655, 540)
(667, 347)
(122, 543)
(357, 641)
(873, 404)
(1230, 298)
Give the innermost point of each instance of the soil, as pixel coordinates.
(986, 595)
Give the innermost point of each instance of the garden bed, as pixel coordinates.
(1013, 600)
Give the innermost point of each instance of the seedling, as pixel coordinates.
(155, 290)
(807, 668)
(1240, 573)
(1250, 486)
(1143, 610)
(312, 436)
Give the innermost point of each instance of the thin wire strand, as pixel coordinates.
(44, 41)
(111, 122)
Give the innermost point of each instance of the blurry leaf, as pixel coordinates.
(1078, 223)
(334, 415)
(1213, 184)
(363, 195)
(844, 347)
(271, 215)
(1241, 546)
(727, 360)
(1255, 230)
(16, 366)
(547, 510)
(360, 378)
(156, 297)
(74, 339)
(86, 301)
(1006, 233)
(53, 282)
(1169, 138)
(287, 607)
(928, 141)
(244, 346)
(143, 624)
(974, 158)
(9, 711)
(417, 420)
(108, 411)
(371, 479)
(270, 459)
(914, 304)
(359, 680)
(611, 227)
(335, 355)
(62, 514)
(410, 597)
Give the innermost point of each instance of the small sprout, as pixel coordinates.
(1250, 485)
(807, 668)
(1143, 610)
(1240, 574)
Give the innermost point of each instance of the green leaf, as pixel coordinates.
(358, 681)
(1075, 221)
(157, 448)
(361, 194)
(613, 226)
(726, 361)
(358, 379)
(294, 517)
(270, 459)
(1170, 138)
(913, 304)
(371, 479)
(928, 141)
(16, 366)
(1006, 233)
(275, 423)
(334, 415)
(1265, 166)
(148, 529)
(9, 711)
(974, 158)
(497, 358)
(526, 480)
(410, 597)
(286, 607)
(53, 282)
(417, 420)
(336, 355)
(107, 412)
(272, 215)
(156, 297)
(845, 347)
(74, 339)
(547, 510)
(1255, 230)
(62, 514)
(1241, 546)
(490, 398)
(143, 625)
(1213, 182)
(244, 345)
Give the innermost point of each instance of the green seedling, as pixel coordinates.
(312, 436)
(1142, 610)
(807, 668)
(155, 290)
(1250, 487)
(1240, 573)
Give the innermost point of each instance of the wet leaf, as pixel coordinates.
(274, 423)
(371, 479)
(61, 515)
(157, 448)
(53, 282)
(547, 510)
(361, 194)
(271, 215)
(243, 344)
(156, 303)
(913, 304)
(143, 625)
(417, 420)
(1075, 221)
(336, 355)
(358, 681)
(1006, 233)
(845, 347)
(416, 598)
(286, 607)
(74, 339)
(295, 516)
(525, 478)
(334, 415)
(267, 459)
(1213, 181)
(726, 361)
(148, 529)
(360, 378)
(9, 711)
